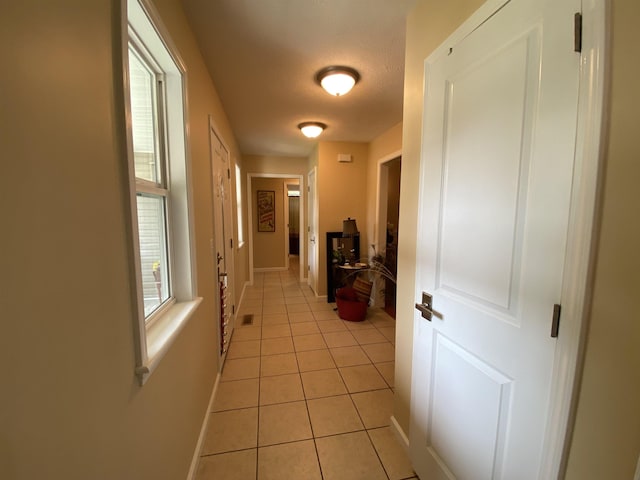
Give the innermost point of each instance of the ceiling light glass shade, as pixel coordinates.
(337, 81)
(311, 129)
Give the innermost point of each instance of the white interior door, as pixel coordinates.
(498, 151)
(312, 231)
(223, 234)
(287, 227)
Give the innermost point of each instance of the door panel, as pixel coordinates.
(485, 178)
(467, 431)
(498, 149)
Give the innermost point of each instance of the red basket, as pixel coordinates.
(349, 307)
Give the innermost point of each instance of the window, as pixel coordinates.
(159, 186)
(146, 92)
(239, 207)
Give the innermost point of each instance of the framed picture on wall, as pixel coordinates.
(266, 211)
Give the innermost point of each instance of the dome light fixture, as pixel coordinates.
(337, 80)
(311, 129)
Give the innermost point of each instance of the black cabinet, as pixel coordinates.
(343, 248)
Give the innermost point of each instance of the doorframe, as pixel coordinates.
(380, 224)
(230, 262)
(285, 208)
(250, 176)
(584, 221)
(312, 281)
(382, 184)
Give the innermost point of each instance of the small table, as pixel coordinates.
(347, 273)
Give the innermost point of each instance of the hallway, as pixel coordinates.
(304, 395)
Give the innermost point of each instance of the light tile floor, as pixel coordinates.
(303, 394)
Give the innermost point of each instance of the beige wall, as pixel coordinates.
(275, 165)
(606, 441)
(71, 407)
(342, 193)
(381, 148)
(428, 25)
(342, 187)
(269, 247)
(203, 101)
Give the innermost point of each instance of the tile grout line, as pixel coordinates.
(378, 455)
(299, 373)
(259, 388)
(306, 402)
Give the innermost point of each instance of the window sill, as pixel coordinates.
(162, 334)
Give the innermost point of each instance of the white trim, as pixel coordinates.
(379, 240)
(583, 222)
(229, 252)
(152, 340)
(237, 178)
(302, 234)
(250, 219)
(316, 244)
(285, 222)
(250, 228)
(486, 11)
(402, 438)
(193, 469)
(244, 286)
(379, 232)
(162, 334)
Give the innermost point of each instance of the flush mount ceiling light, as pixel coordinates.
(311, 129)
(337, 80)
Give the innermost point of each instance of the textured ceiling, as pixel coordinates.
(263, 55)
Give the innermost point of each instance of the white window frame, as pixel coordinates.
(154, 335)
(160, 188)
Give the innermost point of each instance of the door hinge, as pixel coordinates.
(231, 242)
(228, 173)
(577, 32)
(555, 322)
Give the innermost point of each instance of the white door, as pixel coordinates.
(312, 231)
(223, 235)
(498, 150)
(287, 227)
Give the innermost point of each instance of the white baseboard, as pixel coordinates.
(203, 431)
(270, 269)
(244, 287)
(400, 435)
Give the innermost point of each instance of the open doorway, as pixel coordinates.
(386, 245)
(293, 197)
(270, 248)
